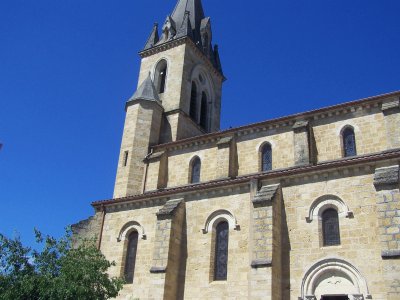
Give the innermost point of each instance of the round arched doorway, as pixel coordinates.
(334, 279)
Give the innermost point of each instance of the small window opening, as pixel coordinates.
(266, 158)
(131, 256)
(349, 142)
(161, 76)
(196, 169)
(126, 155)
(221, 251)
(330, 227)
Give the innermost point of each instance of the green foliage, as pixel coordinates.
(56, 272)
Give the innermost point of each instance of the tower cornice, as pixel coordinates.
(178, 42)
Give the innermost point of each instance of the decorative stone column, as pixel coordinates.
(226, 157)
(304, 146)
(391, 111)
(386, 181)
(167, 250)
(265, 280)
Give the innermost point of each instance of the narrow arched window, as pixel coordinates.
(193, 102)
(204, 111)
(221, 251)
(161, 76)
(131, 256)
(330, 227)
(195, 171)
(349, 142)
(266, 158)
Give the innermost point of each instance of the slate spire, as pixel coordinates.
(146, 91)
(186, 27)
(195, 9)
(153, 38)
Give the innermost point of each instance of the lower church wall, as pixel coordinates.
(352, 191)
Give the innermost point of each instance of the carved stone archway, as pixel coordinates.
(333, 277)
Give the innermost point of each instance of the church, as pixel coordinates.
(302, 207)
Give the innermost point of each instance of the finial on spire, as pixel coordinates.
(153, 38)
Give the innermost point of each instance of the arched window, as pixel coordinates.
(131, 256)
(221, 251)
(195, 171)
(160, 77)
(193, 102)
(266, 158)
(330, 227)
(204, 111)
(349, 142)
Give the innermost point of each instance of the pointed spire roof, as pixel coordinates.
(186, 27)
(146, 91)
(194, 7)
(153, 38)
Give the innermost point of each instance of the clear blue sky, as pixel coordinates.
(67, 68)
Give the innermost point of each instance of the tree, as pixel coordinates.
(56, 272)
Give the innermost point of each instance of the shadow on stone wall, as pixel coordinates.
(183, 261)
(285, 256)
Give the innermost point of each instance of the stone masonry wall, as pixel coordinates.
(387, 183)
(360, 243)
(141, 130)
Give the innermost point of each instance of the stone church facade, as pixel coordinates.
(304, 207)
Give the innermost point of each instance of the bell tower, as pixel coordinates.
(178, 95)
(186, 70)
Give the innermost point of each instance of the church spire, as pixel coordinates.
(195, 9)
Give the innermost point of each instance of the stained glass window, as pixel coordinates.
(349, 142)
(131, 257)
(221, 251)
(193, 102)
(196, 168)
(330, 227)
(266, 157)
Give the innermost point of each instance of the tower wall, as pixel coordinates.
(184, 63)
(141, 130)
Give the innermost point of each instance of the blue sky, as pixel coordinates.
(67, 68)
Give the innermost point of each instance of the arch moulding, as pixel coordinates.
(128, 228)
(328, 201)
(332, 271)
(218, 216)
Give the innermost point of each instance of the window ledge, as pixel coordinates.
(219, 282)
(332, 247)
